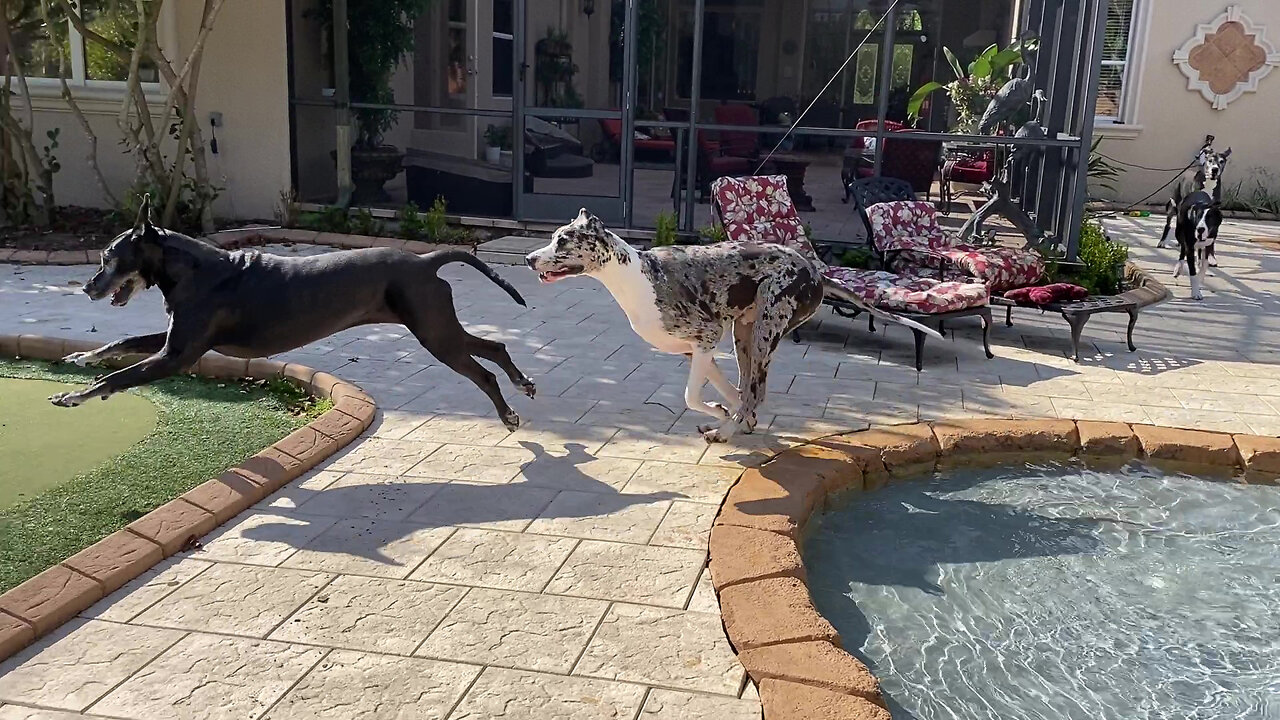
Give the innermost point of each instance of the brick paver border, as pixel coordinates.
(791, 651)
(235, 239)
(58, 594)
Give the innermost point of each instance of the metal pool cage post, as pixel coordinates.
(342, 91)
(1068, 68)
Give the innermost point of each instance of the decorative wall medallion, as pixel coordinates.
(1227, 58)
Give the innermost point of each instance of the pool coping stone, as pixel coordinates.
(788, 648)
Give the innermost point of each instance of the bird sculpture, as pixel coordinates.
(1012, 97)
(1032, 130)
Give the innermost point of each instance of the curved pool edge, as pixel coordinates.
(788, 648)
(44, 602)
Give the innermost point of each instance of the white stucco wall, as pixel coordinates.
(1170, 121)
(244, 77)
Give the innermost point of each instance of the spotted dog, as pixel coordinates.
(1205, 177)
(1199, 218)
(682, 300)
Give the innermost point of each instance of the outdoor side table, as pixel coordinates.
(1078, 312)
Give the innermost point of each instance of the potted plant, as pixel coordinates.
(380, 34)
(497, 149)
(492, 145)
(974, 86)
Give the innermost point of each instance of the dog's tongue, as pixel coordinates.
(118, 297)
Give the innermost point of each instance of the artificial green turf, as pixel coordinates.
(44, 445)
(202, 428)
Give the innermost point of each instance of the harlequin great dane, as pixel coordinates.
(1199, 219)
(248, 304)
(682, 300)
(1206, 177)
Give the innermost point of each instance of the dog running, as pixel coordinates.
(1207, 177)
(683, 300)
(1199, 218)
(248, 304)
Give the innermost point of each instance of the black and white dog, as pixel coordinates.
(248, 304)
(683, 300)
(1199, 218)
(1207, 177)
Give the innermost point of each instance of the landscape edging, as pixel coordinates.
(787, 647)
(42, 603)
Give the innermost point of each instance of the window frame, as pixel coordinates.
(1132, 75)
(44, 88)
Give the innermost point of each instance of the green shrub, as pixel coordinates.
(666, 230)
(412, 226)
(331, 219)
(364, 223)
(714, 233)
(858, 258)
(436, 223)
(1103, 259)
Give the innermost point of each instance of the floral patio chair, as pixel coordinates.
(759, 209)
(909, 237)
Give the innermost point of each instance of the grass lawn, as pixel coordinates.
(165, 439)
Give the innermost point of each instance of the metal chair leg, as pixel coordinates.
(986, 333)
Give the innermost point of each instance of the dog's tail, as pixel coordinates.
(440, 258)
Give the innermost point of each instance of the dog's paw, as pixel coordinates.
(1197, 295)
(529, 388)
(66, 399)
(713, 435)
(81, 358)
(511, 420)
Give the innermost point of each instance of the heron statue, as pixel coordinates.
(1013, 96)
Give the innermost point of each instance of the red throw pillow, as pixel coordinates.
(1019, 295)
(1045, 294)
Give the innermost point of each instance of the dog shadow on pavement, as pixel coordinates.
(371, 517)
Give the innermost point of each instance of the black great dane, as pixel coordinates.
(248, 304)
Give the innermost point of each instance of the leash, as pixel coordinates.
(1127, 210)
(1144, 167)
(817, 97)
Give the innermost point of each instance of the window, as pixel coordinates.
(1117, 61)
(730, 54)
(41, 47)
(503, 48)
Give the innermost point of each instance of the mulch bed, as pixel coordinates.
(74, 228)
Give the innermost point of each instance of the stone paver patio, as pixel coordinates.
(444, 568)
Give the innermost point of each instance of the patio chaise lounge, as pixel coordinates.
(759, 209)
(906, 234)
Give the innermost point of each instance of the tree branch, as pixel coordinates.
(92, 154)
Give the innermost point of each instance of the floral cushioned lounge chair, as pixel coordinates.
(907, 235)
(759, 209)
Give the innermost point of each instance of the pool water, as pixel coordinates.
(1055, 592)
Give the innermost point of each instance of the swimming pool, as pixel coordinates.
(1056, 592)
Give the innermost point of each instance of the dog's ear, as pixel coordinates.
(1226, 154)
(591, 222)
(144, 213)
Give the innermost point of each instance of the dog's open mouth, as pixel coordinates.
(125, 292)
(550, 276)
